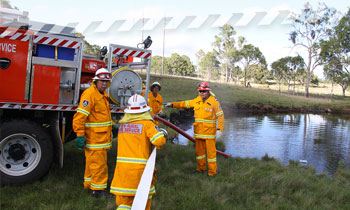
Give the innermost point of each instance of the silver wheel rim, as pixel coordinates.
(30, 148)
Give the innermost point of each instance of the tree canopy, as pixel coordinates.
(310, 27)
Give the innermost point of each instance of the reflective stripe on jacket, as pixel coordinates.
(155, 103)
(206, 115)
(134, 148)
(93, 119)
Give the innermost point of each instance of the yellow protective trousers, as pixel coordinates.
(125, 202)
(201, 146)
(96, 170)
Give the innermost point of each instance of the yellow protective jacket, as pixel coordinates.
(93, 119)
(209, 116)
(155, 103)
(134, 148)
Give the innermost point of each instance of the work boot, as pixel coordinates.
(101, 194)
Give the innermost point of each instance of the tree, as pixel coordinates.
(88, 48)
(236, 74)
(156, 64)
(209, 66)
(310, 27)
(199, 55)
(289, 69)
(180, 65)
(334, 71)
(188, 69)
(295, 70)
(6, 4)
(279, 68)
(250, 56)
(225, 49)
(258, 73)
(335, 53)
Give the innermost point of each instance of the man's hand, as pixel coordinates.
(80, 141)
(114, 131)
(168, 104)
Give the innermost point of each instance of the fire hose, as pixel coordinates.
(179, 130)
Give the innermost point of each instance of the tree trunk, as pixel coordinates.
(245, 77)
(209, 76)
(332, 89)
(279, 86)
(308, 70)
(294, 87)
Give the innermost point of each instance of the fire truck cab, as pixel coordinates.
(42, 76)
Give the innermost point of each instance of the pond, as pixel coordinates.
(320, 141)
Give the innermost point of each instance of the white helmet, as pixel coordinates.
(102, 74)
(155, 84)
(136, 104)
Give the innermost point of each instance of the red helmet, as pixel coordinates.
(203, 86)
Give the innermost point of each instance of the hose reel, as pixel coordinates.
(125, 83)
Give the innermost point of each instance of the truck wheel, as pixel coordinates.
(26, 152)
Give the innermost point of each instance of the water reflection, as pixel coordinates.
(321, 140)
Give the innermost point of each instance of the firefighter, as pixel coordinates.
(209, 123)
(93, 125)
(155, 100)
(137, 134)
(143, 88)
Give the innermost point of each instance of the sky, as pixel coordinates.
(181, 26)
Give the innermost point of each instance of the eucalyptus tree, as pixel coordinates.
(89, 49)
(288, 69)
(279, 68)
(180, 65)
(310, 27)
(226, 50)
(335, 53)
(258, 73)
(250, 56)
(156, 64)
(209, 66)
(295, 70)
(236, 74)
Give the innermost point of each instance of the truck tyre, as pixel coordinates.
(26, 152)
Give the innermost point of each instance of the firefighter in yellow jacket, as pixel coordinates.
(209, 118)
(93, 125)
(155, 100)
(137, 134)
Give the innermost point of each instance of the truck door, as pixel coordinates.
(14, 73)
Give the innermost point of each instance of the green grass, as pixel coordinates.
(239, 184)
(231, 96)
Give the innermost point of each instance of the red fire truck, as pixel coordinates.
(41, 78)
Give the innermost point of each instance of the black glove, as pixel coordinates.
(114, 131)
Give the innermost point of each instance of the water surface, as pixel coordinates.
(320, 140)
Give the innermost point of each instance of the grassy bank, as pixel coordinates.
(250, 99)
(239, 184)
